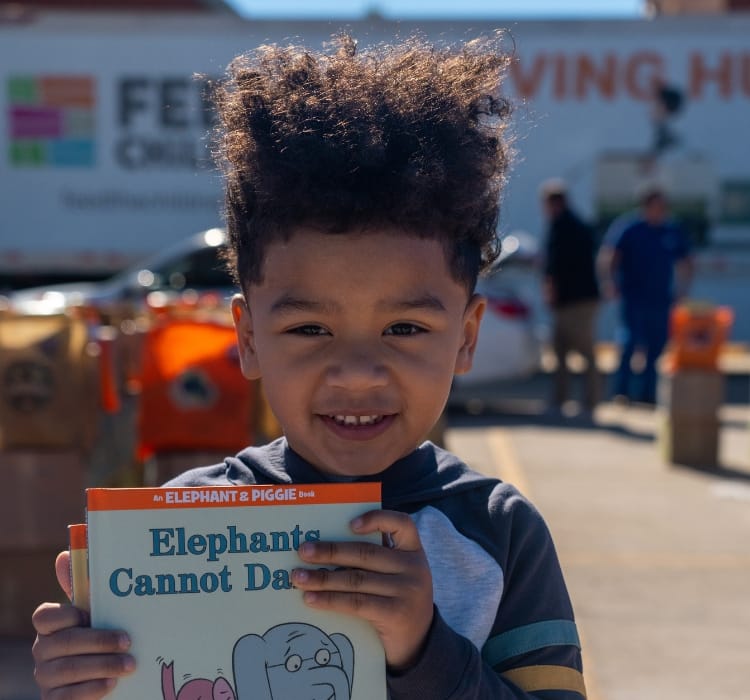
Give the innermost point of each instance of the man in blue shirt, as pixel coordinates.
(647, 260)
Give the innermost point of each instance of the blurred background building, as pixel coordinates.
(121, 5)
(105, 128)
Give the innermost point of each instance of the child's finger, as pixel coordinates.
(62, 570)
(347, 580)
(368, 607)
(77, 641)
(359, 555)
(90, 690)
(52, 617)
(399, 526)
(70, 670)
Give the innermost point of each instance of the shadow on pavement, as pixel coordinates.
(729, 473)
(529, 413)
(636, 422)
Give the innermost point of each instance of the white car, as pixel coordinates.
(509, 346)
(192, 263)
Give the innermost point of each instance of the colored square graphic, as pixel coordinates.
(35, 123)
(51, 121)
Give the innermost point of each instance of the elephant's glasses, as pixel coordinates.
(294, 662)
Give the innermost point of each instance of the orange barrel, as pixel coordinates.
(193, 395)
(698, 332)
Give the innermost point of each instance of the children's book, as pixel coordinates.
(201, 580)
(79, 568)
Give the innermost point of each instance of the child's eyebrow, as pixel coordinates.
(426, 302)
(288, 303)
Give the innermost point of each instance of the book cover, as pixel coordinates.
(201, 580)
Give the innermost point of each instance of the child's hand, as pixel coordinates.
(75, 662)
(391, 587)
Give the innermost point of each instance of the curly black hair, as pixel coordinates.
(407, 136)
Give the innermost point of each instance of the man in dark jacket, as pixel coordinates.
(571, 291)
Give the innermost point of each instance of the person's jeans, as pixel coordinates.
(646, 327)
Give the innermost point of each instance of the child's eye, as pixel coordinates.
(404, 329)
(309, 329)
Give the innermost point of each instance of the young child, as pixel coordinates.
(362, 199)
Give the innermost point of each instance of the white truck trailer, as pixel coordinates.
(104, 129)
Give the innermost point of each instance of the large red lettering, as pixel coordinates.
(642, 71)
(527, 86)
(601, 77)
(701, 74)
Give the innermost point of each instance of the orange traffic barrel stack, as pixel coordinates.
(692, 389)
(698, 333)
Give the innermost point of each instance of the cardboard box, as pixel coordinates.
(42, 493)
(691, 393)
(50, 396)
(27, 578)
(690, 441)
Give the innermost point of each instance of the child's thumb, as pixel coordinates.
(62, 569)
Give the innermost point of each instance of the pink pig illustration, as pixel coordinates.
(195, 689)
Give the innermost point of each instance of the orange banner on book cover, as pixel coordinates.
(231, 496)
(77, 536)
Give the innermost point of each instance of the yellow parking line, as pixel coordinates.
(666, 561)
(504, 460)
(506, 466)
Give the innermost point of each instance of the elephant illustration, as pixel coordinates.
(293, 661)
(195, 689)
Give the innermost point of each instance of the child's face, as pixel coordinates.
(357, 338)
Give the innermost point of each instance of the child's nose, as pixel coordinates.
(357, 367)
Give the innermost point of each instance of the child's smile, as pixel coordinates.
(359, 427)
(357, 338)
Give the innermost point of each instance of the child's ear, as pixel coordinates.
(243, 325)
(471, 321)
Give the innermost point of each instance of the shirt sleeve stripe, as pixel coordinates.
(529, 638)
(533, 678)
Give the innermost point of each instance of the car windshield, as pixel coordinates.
(197, 266)
(200, 269)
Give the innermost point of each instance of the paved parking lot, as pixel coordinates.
(656, 556)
